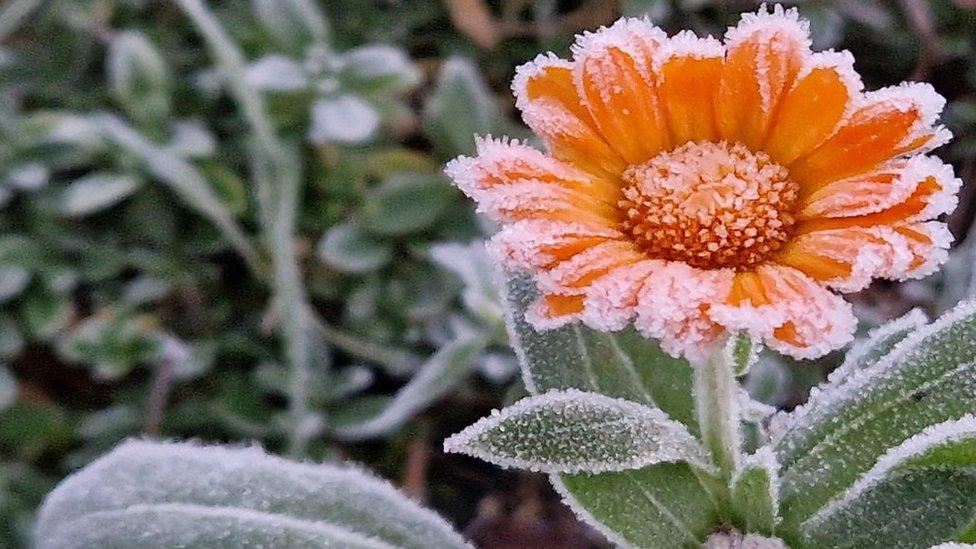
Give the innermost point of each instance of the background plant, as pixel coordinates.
(230, 223)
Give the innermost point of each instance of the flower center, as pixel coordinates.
(711, 205)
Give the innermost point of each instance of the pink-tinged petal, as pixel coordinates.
(550, 105)
(848, 259)
(674, 304)
(929, 244)
(765, 52)
(794, 314)
(688, 70)
(913, 189)
(822, 97)
(539, 243)
(612, 75)
(574, 275)
(612, 299)
(502, 162)
(886, 124)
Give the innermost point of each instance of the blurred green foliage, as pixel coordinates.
(141, 277)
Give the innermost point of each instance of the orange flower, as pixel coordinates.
(694, 187)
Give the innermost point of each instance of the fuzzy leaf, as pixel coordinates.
(574, 431)
(139, 76)
(346, 119)
(407, 202)
(349, 249)
(460, 107)
(919, 493)
(191, 495)
(929, 377)
(96, 192)
(379, 67)
(755, 493)
(661, 505)
(277, 73)
(294, 24)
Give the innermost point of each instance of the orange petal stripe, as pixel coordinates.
(689, 71)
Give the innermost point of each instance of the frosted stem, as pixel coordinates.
(716, 392)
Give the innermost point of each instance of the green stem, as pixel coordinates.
(716, 401)
(278, 181)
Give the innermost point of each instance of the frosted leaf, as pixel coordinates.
(737, 540)
(349, 248)
(148, 494)
(139, 76)
(927, 378)
(663, 505)
(277, 73)
(953, 545)
(96, 192)
(435, 377)
(8, 388)
(346, 119)
(574, 431)
(755, 492)
(863, 354)
(471, 264)
(13, 281)
(742, 352)
(622, 364)
(379, 66)
(921, 490)
(460, 107)
(191, 139)
(29, 177)
(295, 24)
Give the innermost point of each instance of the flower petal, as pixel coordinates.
(574, 275)
(888, 123)
(765, 52)
(545, 94)
(611, 299)
(613, 76)
(688, 72)
(918, 188)
(848, 259)
(673, 307)
(540, 243)
(554, 311)
(810, 113)
(929, 243)
(791, 312)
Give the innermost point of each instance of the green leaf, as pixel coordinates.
(294, 24)
(13, 282)
(191, 495)
(919, 493)
(96, 192)
(46, 313)
(8, 388)
(574, 431)
(350, 249)
(827, 444)
(659, 506)
(438, 375)
(742, 353)
(139, 77)
(662, 505)
(623, 365)
(347, 119)
(406, 203)
(460, 107)
(379, 68)
(755, 493)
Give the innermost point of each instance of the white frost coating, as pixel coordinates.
(821, 402)
(345, 119)
(531, 70)
(524, 244)
(153, 521)
(611, 299)
(953, 545)
(779, 21)
(737, 540)
(564, 278)
(542, 318)
(857, 356)
(276, 73)
(765, 27)
(930, 438)
(686, 44)
(670, 308)
(905, 97)
(581, 512)
(151, 473)
(574, 431)
(632, 36)
(764, 458)
(934, 254)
